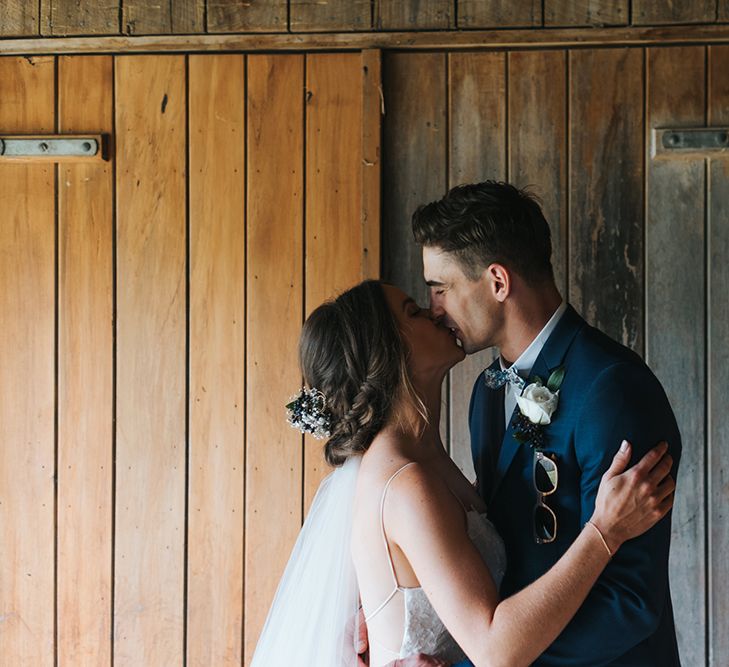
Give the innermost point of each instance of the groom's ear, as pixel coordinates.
(498, 279)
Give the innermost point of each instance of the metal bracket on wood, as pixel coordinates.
(690, 142)
(52, 148)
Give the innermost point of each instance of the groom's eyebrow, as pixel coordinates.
(434, 283)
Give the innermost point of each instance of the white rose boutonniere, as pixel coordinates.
(536, 407)
(538, 403)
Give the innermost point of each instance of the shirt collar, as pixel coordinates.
(524, 364)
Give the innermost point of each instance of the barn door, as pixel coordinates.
(150, 489)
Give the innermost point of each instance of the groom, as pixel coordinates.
(487, 261)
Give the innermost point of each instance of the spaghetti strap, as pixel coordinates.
(387, 546)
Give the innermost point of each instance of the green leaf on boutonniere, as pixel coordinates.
(555, 379)
(535, 379)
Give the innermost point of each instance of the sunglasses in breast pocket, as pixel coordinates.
(545, 476)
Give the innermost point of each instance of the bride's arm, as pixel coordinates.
(425, 522)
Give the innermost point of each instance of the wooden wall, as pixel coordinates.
(150, 307)
(139, 17)
(640, 246)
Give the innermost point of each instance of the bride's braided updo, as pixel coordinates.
(351, 351)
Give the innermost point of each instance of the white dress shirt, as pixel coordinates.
(524, 364)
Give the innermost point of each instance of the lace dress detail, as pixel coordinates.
(424, 632)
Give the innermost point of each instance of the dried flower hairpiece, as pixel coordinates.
(307, 411)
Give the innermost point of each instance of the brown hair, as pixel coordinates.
(351, 350)
(488, 222)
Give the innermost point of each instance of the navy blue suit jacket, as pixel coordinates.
(608, 394)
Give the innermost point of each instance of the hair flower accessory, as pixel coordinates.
(307, 411)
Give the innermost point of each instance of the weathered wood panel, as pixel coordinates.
(586, 12)
(675, 320)
(141, 17)
(151, 369)
(538, 140)
(414, 14)
(85, 371)
(476, 152)
(247, 15)
(606, 204)
(19, 18)
(80, 17)
(275, 311)
(27, 382)
(676, 11)
(372, 113)
(313, 15)
(499, 13)
(334, 255)
(217, 359)
(718, 367)
(722, 11)
(414, 159)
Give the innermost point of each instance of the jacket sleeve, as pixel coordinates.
(626, 401)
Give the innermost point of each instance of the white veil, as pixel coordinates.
(314, 611)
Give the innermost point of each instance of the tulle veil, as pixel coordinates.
(314, 612)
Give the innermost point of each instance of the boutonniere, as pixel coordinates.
(535, 408)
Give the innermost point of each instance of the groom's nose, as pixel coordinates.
(436, 309)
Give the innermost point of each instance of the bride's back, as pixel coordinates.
(371, 558)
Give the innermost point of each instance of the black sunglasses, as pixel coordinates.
(546, 477)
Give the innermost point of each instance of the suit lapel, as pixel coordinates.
(551, 356)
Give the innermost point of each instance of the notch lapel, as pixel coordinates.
(551, 356)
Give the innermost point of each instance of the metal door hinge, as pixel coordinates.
(690, 142)
(52, 148)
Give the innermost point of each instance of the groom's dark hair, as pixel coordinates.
(488, 222)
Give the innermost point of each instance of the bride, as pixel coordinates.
(397, 525)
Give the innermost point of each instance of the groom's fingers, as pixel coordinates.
(362, 639)
(620, 461)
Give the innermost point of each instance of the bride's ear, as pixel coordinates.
(498, 279)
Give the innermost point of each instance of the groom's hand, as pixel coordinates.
(418, 660)
(363, 644)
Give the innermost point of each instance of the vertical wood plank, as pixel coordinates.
(675, 320)
(414, 159)
(538, 140)
(333, 199)
(586, 12)
(247, 15)
(718, 365)
(27, 382)
(414, 14)
(151, 368)
(19, 18)
(343, 15)
(499, 13)
(477, 152)
(722, 12)
(82, 17)
(649, 12)
(85, 371)
(372, 111)
(217, 358)
(140, 17)
(606, 204)
(274, 288)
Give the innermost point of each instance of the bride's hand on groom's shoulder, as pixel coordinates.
(631, 501)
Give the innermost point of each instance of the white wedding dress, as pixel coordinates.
(312, 618)
(423, 631)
